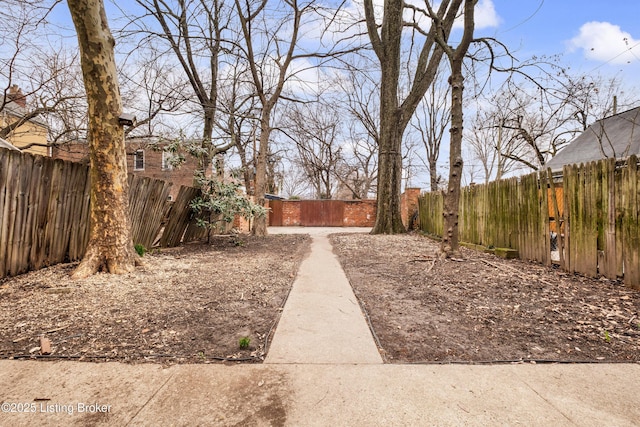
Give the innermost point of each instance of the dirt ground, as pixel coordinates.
(191, 304)
(483, 308)
(195, 303)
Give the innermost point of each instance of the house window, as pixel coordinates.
(166, 164)
(138, 160)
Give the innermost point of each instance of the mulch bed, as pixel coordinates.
(484, 309)
(192, 304)
(195, 303)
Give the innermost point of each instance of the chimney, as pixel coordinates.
(16, 95)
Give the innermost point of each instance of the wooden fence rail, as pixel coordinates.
(597, 205)
(44, 212)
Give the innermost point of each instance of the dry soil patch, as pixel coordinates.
(188, 304)
(484, 308)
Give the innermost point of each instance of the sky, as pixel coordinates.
(590, 35)
(592, 38)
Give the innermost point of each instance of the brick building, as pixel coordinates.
(143, 158)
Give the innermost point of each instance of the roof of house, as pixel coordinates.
(273, 197)
(8, 145)
(614, 136)
(18, 111)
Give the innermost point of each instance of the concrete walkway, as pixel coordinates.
(303, 383)
(322, 321)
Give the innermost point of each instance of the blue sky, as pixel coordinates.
(592, 36)
(588, 33)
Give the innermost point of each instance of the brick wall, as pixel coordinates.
(291, 213)
(182, 175)
(79, 152)
(357, 213)
(242, 224)
(360, 213)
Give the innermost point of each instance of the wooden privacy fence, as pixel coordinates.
(44, 212)
(596, 208)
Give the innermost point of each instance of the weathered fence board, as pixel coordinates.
(430, 207)
(178, 218)
(44, 211)
(147, 199)
(596, 211)
(610, 248)
(631, 227)
(4, 215)
(533, 224)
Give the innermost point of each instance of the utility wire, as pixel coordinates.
(630, 49)
(527, 19)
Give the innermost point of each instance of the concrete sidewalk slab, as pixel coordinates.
(322, 321)
(323, 395)
(455, 395)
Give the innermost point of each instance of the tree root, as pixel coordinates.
(111, 261)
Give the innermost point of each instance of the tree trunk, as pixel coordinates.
(110, 247)
(433, 173)
(449, 244)
(388, 215)
(204, 157)
(260, 222)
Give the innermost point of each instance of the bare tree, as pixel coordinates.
(110, 247)
(430, 122)
(270, 33)
(357, 169)
(238, 119)
(47, 89)
(51, 93)
(294, 182)
(39, 80)
(538, 115)
(456, 56)
(193, 30)
(395, 114)
(359, 98)
(493, 145)
(151, 92)
(315, 130)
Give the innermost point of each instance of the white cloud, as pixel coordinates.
(304, 78)
(603, 41)
(485, 16)
(348, 22)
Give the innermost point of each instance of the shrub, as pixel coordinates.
(220, 202)
(140, 249)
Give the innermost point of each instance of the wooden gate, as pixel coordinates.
(275, 213)
(322, 213)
